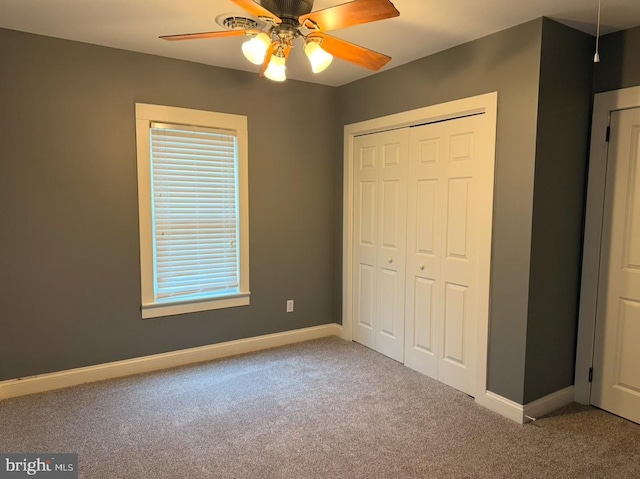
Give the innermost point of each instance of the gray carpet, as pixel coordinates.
(321, 409)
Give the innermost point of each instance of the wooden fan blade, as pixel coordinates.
(350, 52)
(267, 57)
(255, 9)
(350, 14)
(197, 36)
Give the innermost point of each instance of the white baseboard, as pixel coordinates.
(73, 377)
(342, 332)
(550, 403)
(533, 410)
(503, 406)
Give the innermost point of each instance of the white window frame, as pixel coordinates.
(145, 115)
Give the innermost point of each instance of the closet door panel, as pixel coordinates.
(423, 305)
(392, 225)
(441, 251)
(459, 260)
(366, 165)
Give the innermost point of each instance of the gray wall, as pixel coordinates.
(619, 66)
(69, 248)
(507, 62)
(69, 251)
(564, 115)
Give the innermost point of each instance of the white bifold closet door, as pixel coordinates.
(380, 219)
(422, 216)
(444, 215)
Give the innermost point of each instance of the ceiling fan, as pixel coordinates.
(281, 22)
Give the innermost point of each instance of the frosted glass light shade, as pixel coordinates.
(276, 69)
(317, 56)
(256, 48)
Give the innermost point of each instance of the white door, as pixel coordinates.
(616, 378)
(450, 196)
(380, 171)
(365, 236)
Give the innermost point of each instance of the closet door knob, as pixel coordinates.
(390, 260)
(421, 267)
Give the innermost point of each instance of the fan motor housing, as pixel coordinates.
(237, 22)
(288, 8)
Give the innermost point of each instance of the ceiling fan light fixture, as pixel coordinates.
(256, 48)
(276, 70)
(319, 58)
(273, 27)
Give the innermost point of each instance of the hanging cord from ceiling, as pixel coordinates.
(596, 57)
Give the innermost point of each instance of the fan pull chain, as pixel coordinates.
(596, 57)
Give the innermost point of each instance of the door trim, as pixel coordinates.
(487, 104)
(604, 104)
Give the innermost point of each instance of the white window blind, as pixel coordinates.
(194, 182)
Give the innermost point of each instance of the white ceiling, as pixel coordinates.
(423, 27)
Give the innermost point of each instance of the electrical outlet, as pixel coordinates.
(289, 305)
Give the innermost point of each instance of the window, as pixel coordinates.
(192, 198)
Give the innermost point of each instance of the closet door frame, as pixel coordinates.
(482, 104)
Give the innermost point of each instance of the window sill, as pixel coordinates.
(157, 310)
